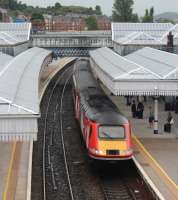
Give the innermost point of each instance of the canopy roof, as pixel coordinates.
(145, 72)
(13, 33)
(141, 33)
(19, 96)
(161, 64)
(4, 60)
(19, 82)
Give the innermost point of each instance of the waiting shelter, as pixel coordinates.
(146, 72)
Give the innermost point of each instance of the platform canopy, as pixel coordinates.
(145, 72)
(141, 33)
(19, 95)
(14, 33)
(4, 60)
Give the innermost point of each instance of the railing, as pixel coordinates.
(85, 39)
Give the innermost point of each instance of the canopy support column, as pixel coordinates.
(156, 115)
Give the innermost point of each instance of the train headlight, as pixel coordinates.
(96, 151)
(126, 152)
(99, 152)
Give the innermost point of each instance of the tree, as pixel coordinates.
(135, 18)
(149, 15)
(0, 17)
(152, 12)
(91, 23)
(12, 4)
(57, 6)
(122, 11)
(4, 3)
(37, 16)
(98, 10)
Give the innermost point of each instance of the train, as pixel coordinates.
(105, 130)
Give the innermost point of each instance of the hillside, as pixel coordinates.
(15, 7)
(173, 16)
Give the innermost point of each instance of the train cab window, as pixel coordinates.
(111, 132)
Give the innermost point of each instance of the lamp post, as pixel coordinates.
(156, 112)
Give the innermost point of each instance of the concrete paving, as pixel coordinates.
(141, 126)
(155, 153)
(5, 152)
(22, 182)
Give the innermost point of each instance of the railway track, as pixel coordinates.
(49, 148)
(59, 172)
(121, 181)
(62, 170)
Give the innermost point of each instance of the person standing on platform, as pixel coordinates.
(128, 102)
(170, 121)
(140, 109)
(151, 117)
(176, 105)
(134, 109)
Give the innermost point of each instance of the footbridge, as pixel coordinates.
(72, 43)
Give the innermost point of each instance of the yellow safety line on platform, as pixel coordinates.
(155, 162)
(7, 183)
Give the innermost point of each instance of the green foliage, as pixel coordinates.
(91, 23)
(149, 15)
(15, 7)
(57, 6)
(37, 16)
(135, 17)
(123, 12)
(165, 21)
(13, 13)
(12, 5)
(0, 17)
(5, 3)
(98, 10)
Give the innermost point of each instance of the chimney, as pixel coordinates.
(170, 42)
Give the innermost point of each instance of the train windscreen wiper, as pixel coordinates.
(106, 134)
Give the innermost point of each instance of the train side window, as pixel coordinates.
(130, 129)
(90, 131)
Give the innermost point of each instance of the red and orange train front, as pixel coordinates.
(107, 142)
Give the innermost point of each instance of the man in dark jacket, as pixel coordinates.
(140, 109)
(134, 109)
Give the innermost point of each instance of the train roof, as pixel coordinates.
(97, 105)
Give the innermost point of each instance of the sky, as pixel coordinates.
(106, 5)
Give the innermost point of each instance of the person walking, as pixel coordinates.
(140, 109)
(134, 109)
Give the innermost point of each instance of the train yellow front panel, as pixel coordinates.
(112, 145)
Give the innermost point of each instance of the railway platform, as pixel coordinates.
(16, 157)
(154, 154)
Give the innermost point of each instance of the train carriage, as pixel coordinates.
(106, 131)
